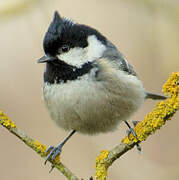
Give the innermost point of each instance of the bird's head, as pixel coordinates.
(72, 43)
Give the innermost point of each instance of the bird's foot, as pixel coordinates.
(131, 130)
(134, 134)
(53, 153)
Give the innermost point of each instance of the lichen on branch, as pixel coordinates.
(35, 145)
(101, 168)
(163, 112)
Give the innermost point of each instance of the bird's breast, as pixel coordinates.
(92, 106)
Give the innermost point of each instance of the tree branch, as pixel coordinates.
(34, 144)
(153, 121)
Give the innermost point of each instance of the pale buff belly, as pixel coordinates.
(92, 107)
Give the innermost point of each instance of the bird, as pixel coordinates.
(89, 86)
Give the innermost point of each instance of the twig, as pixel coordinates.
(35, 145)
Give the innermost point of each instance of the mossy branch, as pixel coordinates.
(153, 121)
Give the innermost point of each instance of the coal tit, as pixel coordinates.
(89, 86)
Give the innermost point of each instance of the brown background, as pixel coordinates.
(146, 34)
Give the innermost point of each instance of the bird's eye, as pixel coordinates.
(65, 48)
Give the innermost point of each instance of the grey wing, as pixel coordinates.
(114, 55)
(125, 66)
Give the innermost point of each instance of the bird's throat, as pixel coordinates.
(58, 72)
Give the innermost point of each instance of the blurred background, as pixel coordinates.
(145, 31)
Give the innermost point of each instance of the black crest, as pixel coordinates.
(63, 31)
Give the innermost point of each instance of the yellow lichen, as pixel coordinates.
(101, 169)
(164, 111)
(171, 87)
(5, 121)
(39, 147)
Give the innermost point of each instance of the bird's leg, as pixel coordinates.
(55, 151)
(131, 130)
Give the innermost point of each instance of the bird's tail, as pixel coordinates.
(154, 96)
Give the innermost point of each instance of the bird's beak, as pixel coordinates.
(45, 59)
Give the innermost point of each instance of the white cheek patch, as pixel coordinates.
(95, 48)
(74, 57)
(79, 56)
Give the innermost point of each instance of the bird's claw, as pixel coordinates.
(137, 144)
(54, 152)
(51, 168)
(49, 149)
(57, 151)
(135, 123)
(139, 148)
(131, 130)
